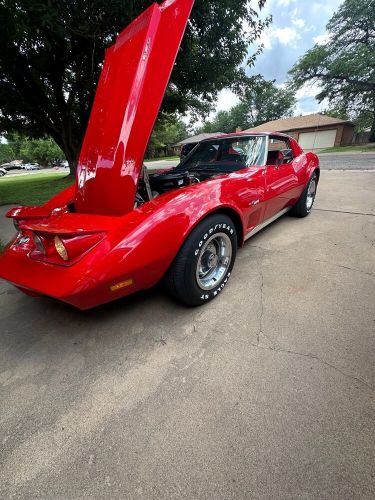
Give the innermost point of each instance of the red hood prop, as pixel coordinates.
(130, 91)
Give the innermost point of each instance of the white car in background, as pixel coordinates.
(3, 172)
(31, 166)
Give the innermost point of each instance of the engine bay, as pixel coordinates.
(152, 185)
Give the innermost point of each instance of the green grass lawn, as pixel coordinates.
(351, 149)
(33, 189)
(167, 158)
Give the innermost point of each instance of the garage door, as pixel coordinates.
(317, 140)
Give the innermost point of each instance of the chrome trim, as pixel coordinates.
(267, 223)
(214, 261)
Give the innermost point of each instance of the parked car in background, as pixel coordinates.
(31, 166)
(13, 165)
(3, 172)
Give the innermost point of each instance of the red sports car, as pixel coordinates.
(120, 229)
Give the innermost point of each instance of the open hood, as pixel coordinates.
(135, 75)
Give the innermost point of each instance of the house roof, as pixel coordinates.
(315, 120)
(197, 138)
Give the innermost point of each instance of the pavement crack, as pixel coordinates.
(315, 260)
(343, 267)
(260, 331)
(316, 358)
(342, 212)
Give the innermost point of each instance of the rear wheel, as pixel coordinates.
(306, 202)
(204, 264)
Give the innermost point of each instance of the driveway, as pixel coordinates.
(267, 392)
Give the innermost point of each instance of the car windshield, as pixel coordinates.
(227, 155)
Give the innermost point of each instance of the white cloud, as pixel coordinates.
(297, 21)
(226, 100)
(266, 39)
(308, 91)
(285, 3)
(306, 100)
(285, 36)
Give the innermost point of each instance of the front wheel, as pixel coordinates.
(306, 202)
(204, 264)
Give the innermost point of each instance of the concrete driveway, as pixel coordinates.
(267, 392)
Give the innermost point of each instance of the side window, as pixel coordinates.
(277, 144)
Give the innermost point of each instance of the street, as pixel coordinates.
(347, 161)
(267, 392)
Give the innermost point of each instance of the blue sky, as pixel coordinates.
(297, 25)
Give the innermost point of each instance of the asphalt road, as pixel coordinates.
(346, 161)
(267, 392)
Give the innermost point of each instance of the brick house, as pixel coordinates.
(313, 132)
(175, 149)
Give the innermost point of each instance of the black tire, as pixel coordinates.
(302, 208)
(183, 279)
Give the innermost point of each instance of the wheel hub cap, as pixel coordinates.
(311, 192)
(214, 261)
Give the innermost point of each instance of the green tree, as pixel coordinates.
(228, 121)
(261, 101)
(52, 53)
(169, 129)
(344, 66)
(19, 147)
(6, 153)
(43, 151)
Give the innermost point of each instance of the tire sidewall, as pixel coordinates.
(215, 226)
(312, 178)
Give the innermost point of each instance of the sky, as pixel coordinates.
(297, 25)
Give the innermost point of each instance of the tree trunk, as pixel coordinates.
(71, 149)
(72, 160)
(372, 133)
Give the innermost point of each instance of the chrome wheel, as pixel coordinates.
(311, 192)
(214, 261)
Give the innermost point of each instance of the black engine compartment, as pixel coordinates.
(164, 182)
(152, 185)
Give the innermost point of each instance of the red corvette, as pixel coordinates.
(119, 229)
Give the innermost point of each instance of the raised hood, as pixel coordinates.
(135, 75)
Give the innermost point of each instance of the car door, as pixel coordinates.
(247, 186)
(281, 178)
